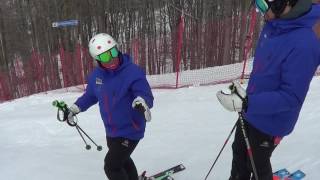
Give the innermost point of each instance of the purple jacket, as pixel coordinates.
(115, 90)
(286, 58)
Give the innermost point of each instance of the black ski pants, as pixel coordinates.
(262, 146)
(118, 164)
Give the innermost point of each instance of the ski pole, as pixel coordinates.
(225, 143)
(249, 150)
(248, 146)
(85, 142)
(62, 107)
(99, 148)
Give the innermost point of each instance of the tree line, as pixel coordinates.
(214, 30)
(163, 36)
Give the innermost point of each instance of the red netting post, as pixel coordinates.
(248, 42)
(179, 47)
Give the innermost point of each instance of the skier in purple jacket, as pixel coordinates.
(285, 60)
(125, 98)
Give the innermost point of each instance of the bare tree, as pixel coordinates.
(214, 32)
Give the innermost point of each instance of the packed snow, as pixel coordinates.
(189, 126)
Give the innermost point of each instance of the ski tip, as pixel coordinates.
(282, 173)
(182, 166)
(297, 175)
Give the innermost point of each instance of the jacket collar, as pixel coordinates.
(308, 20)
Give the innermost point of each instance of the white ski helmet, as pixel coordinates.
(101, 43)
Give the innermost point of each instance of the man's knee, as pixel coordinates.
(111, 164)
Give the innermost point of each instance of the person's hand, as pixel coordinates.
(235, 100)
(73, 110)
(140, 105)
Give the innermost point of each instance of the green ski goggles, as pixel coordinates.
(262, 5)
(107, 56)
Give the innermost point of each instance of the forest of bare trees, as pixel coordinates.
(213, 33)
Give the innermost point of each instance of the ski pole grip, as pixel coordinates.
(60, 105)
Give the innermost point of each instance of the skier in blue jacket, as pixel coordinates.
(285, 60)
(125, 98)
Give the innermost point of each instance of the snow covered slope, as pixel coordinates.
(189, 126)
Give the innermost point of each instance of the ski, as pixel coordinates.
(166, 174)
(297, 175)
(284, 174)
(281, 174)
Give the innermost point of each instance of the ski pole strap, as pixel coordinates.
(64, 110)
(62, 107)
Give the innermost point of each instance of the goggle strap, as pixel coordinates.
(114, 52)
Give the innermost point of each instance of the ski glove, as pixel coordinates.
(140, 105)
(73, 110)
(236, 100)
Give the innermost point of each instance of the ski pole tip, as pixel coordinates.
(88, 147)
(99, 148)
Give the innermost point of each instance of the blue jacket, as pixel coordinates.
(115, 90)
(286, 58)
